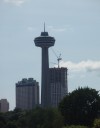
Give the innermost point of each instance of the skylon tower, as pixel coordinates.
(45, 41)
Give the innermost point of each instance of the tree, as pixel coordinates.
(81, 106)
(96, 123)
(2, 120)
(11, 125)
(41, 118)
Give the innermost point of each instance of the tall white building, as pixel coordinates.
(59, 85)
(4, 105)
(27, 94)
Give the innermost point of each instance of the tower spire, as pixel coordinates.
(44, 26)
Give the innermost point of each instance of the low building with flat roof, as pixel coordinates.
(4, 105)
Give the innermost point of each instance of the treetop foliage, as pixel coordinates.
(78, 109)
(81, 106)
(36, 118)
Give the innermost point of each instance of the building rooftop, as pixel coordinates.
(26, 81)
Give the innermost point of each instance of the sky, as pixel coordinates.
(75, 25)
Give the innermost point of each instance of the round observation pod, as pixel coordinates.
(44, 40)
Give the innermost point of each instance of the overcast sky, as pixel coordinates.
(75, 24)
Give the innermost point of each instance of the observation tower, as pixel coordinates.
(45, 41)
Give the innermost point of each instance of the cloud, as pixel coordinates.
(86, 66)
(56, 29)
(63, 29)
(15, 2)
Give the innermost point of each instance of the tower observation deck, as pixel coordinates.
(45, 41)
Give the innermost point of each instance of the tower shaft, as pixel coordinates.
(45, 88)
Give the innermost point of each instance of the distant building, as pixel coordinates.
(27, 94)
(4, 105)
(58, 84)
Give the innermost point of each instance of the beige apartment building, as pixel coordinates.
(27, 94)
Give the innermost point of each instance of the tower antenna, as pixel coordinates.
(44, 26)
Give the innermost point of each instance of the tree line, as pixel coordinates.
(78, 109)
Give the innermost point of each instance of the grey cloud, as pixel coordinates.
(61, 29)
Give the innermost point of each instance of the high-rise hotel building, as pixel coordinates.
(27, 94)
(58, 83)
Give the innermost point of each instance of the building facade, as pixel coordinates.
(4, 105)
(59, 85)
(27, 94)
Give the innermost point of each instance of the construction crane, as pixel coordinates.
(58, 57)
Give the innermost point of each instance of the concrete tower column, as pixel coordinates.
(45, 89)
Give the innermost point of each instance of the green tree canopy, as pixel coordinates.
(35, 118)
(80, 106)
(41, 118)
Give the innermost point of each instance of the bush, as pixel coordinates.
(96, 123)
